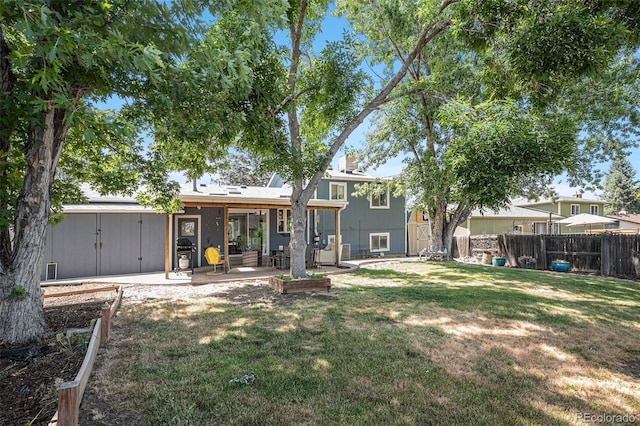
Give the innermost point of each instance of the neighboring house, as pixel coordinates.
(522, 217)
(566, 207)
(115, 235)
(627, 222)
(509, 220)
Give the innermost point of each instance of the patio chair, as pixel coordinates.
(309, 258)
(282, 258)
(213, 258)
(327, 256)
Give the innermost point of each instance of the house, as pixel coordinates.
(510, 219)
(627, 222)
(522, 216)
(115, 235)
(369, 226)
(566, 207)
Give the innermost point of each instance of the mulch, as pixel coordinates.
(30, 374)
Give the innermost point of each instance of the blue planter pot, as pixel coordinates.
(561, 266)
(499, 261)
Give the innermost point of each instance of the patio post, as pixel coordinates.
(167, 245)
(337, 243)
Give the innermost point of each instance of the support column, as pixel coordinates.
(337, 243)
(167, 245)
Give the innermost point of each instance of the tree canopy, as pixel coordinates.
(514, 95)
(621, 188)
(191, 85)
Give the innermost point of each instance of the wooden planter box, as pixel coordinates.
(282, 286)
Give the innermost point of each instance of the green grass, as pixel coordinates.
(407, 343)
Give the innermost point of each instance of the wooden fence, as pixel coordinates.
(612, 255)
(70, 393)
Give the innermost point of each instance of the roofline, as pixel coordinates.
(108, 208)
(195, 200)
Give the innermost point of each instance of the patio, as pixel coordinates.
(202, 275)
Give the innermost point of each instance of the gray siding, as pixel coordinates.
(211, 230)
(91, 244)
(358, 220)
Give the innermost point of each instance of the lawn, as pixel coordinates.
(396, 343)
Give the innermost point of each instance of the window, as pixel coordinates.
(284, 221)
(593, 209)
(338, 191)
(575, 209)
(380, 201)
(379, 241)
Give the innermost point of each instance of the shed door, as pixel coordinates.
(152, 242)
(119, 243)
(73, 246)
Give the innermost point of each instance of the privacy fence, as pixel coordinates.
(610, 255)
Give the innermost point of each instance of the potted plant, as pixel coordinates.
(499, 261)
(527, 262)
(560, 265)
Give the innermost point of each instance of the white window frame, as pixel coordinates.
(388, 201)
(594, 208)
(284, 220)
(575, 209)
(378, 235)
(343, 185)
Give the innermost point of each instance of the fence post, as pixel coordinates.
(68, 404)
(106, 323)
(605, 258)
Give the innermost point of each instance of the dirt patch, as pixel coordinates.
(30, 374)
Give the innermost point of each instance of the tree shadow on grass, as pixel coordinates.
(507, 293)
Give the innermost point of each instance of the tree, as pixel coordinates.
(56, 59)
(621, 187)
(495, 111)
(327, 96)
(243, 169)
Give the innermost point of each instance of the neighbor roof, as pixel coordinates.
(524, 202)
(514, 212)
(632, 218)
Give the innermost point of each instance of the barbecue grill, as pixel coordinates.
(184, 247)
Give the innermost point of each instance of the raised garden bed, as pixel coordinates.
(283, 285)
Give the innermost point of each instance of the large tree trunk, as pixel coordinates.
(443, 227)
(298, 243)
(21, 310)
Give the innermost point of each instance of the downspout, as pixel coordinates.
(337, 244)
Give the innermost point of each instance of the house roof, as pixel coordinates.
(524, 202)
(204, 194)
(108, 207)
(354, 175)
(248, 195)
(514, 212)
(631, 218)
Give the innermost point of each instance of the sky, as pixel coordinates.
(332, 30)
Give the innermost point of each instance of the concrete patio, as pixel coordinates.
(205, 275)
